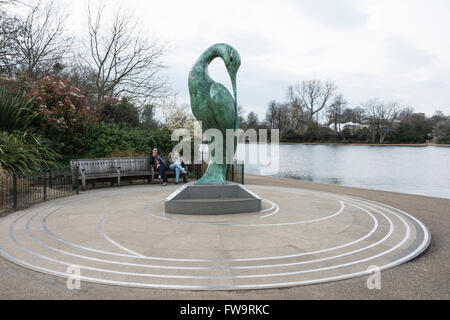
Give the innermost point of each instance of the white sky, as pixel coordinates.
(391, 49)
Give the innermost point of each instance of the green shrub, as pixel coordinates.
(313, 133)
(119, 111)
(22, 152)
(112, 139)
(413, 130)
(443, 132)
(62, 115)
(15, 112)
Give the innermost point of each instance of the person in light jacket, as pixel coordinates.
(177, 165)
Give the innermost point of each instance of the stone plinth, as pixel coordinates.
(212, 199)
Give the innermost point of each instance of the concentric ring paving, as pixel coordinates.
(121, 236)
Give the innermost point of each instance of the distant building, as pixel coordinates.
(366, 123)
(419, 115)
(351, 126)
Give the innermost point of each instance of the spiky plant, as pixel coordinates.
(25, 151)
(15, 112)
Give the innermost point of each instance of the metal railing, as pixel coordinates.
(20, 190)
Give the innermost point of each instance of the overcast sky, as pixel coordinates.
(391, 49)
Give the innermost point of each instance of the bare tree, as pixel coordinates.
(278, 116)
(437, 117)
(370, 108)
(81, 76)
(334, 111)
(314, 95)
(387, 113)
(9, 30)
(405, 113)
(283, 117)
(442, 131)
(359, 114)
(271, 114)
(35, 43)
(381, 116)
(347, 115)
(123, 60)
(6, 2)
(252, 120)
(298, 118)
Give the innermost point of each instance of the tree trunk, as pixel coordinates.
(382, 135)
(373, 135)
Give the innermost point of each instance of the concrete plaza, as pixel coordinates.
(306, 233)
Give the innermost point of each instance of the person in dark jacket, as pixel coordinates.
(159, 163)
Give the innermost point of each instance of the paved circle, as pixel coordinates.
(121, 236)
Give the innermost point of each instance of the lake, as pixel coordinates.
(415, 170)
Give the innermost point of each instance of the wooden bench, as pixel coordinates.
(114, 169)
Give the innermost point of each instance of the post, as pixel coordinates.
(50, 178)
(232, 172)
(76, 179)
(199, 170)
(118, 176)
(45, 185)
(242, 173)
(77, 185)
(83, 178)
(15, 191)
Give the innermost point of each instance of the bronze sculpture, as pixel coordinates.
(213, 104)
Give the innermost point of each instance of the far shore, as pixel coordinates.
(375, 144)
(367, 144)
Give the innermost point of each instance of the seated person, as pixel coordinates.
(159, 163)
(177, 165)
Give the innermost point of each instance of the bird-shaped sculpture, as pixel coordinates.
(212, 103)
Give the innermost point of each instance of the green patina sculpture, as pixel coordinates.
(213, 104)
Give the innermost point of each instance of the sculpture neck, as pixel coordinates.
(209, 55)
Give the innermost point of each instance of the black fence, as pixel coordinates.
(235, 172)
(21, 190)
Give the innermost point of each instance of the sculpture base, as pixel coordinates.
(212, 199)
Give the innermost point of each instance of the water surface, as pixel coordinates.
(416, 170)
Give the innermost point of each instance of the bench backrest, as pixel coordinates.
(109, 165)
(132, 164)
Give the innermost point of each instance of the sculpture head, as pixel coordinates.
(232, 62)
